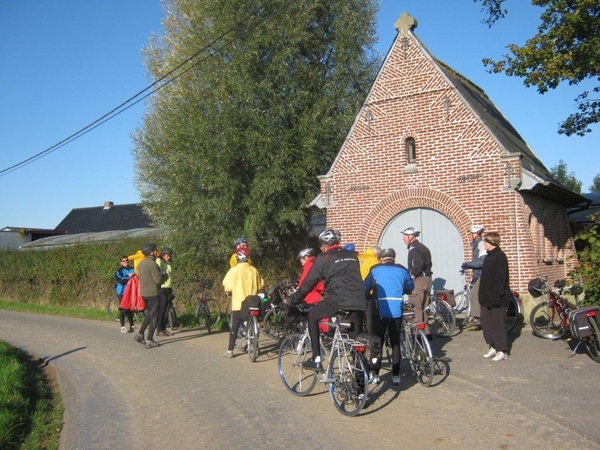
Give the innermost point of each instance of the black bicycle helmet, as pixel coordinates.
(535, 287)
(148, 248)
(305, 252)
(330, 237)
(387, 253)
(166, 251)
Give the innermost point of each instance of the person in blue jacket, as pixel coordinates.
(385, 285)
(122, 276)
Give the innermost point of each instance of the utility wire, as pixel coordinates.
(152, 87)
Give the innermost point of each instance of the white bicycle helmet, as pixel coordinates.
(330, 237)
(411, 231)
(476, 229)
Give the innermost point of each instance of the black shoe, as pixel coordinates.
(152, 344)
(311, 364)
(139, 338)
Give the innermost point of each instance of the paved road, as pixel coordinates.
(184, 394)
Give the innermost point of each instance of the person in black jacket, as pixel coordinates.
(494, 297)
(344, 290)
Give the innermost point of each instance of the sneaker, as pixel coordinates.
(228, 354)
(500, 356)
(374, 379)
(311, 364)
(152, 344)
(123, 330)
(139, 338)
(472, 322)
(491, 352)
(396, 380)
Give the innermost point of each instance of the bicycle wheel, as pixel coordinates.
(253, 333)
(273, 324)
(441, 319)
(461, 310)
(422, 359)
(112, 307)
(512, 315)
(294, 350)
(545, 322)
(348, 380)
(208, 314)
(171, 318)
(592, 342)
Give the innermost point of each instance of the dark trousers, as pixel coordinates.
(165, 304)
(324, 310)
(151, 315)
(393, 326)
(124, 313)
(492, 325)
(236, 320)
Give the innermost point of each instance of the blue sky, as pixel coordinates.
(66, 63)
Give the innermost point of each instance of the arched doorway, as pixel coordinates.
(439, 234)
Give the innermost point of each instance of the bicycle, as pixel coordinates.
(248, 332)
(440, 315)
(552, 318)
(208, 311)
(344, 371)
(463, 312)
(279, 319)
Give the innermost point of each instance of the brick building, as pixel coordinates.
(429, 149)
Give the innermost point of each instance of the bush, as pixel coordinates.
(587, 269)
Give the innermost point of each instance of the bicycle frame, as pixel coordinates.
(415, 347)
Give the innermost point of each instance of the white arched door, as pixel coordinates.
(439, 234)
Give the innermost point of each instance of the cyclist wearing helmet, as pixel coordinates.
(419, 266)
(478, 255)
(307, 259)
(241, 281)
(239, 244)
(386, 284)
(166, 291)
(344, 290)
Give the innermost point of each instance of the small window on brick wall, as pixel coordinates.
(411, 150)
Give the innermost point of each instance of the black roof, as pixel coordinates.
(105, 218)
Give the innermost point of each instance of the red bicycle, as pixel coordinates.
(555, 317)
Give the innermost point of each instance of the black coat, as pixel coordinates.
(494, 290)
(340, 271)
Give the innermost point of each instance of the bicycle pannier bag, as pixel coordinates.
(447, 295)
(578, 320)
(250, 306)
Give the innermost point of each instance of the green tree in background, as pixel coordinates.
(567, 179)
(565, 48)
(234, 146)
(595, 187)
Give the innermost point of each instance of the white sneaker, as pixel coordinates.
(491, 352)
(123, 330)
(500, 356)
(396, 380)
(374, 379)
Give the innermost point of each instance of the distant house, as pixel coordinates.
(11, 238)
(429, 149)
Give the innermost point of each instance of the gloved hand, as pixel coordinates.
(464, 266)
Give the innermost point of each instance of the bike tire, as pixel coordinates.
(512, 315)
(462, 312)
(208, 314)
(294, 350)
(253, 335)
(545, 322)
(273, 324)
(441, 321)
(422, 359)
(592, 342)
(348, 381)
(171, 317)
(112, 307)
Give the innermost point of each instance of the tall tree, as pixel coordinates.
(595, 187)
(233, 146)
(565, 48)
(567, 179)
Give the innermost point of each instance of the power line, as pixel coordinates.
(154, 87)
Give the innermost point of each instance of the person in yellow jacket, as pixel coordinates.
(241, 281)
(367, 260)
(135, 260)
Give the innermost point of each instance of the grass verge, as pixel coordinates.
(30, 406)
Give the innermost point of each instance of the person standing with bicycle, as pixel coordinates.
(122, 276)
(494, 297)
(150, 281)
(478, 255)
(386, 283)
(240, 281)
(166, 290)
(419, 266)
(344, 290)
